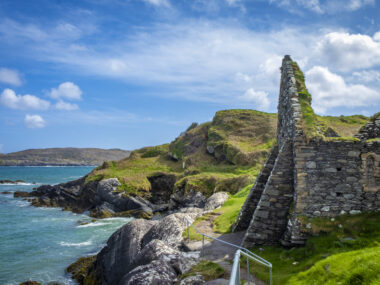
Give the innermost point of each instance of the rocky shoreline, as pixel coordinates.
(147, 250)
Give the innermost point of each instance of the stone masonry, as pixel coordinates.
(311, 178)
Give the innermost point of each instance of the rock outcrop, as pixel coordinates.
(144, 252)
(100, 198)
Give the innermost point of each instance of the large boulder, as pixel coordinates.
(181, 199)
(216, 200)
(122, 247)
(169, 229)
(155, 273)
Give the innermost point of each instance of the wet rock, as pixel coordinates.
(6, 192)
(21, 194)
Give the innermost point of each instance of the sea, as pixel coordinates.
(39, 243)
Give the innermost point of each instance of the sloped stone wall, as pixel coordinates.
(250, 204)
(309, 178)
(271, 214)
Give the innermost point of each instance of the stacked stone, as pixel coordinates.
(270, 217)
(250, 204)
(370, 130)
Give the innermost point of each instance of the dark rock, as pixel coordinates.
(162, 186)
(21, 194)
(181, 199)
(6, 192)
(6, 181)
(30, 283)
(116, 259)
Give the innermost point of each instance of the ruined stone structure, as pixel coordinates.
(309, 177)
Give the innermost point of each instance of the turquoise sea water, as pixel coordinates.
(39, 243)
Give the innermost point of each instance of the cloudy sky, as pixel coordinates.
(132, 73)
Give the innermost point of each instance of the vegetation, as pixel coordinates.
(208, 269)
(79, 269)
(346, 240)
(222, 155)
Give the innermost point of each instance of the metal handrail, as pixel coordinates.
(240, 251)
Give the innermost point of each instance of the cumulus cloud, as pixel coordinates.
(61, 105)
(67, 90)
(10, 76)
(259, 98)
(34, 121)
(329, 90)
(9, 99)
(349, 51)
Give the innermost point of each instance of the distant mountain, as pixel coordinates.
(62, 156)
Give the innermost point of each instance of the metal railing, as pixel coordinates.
(241, 251)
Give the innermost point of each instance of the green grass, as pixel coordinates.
(230, 210)
(349, 268)
(343, 139)
(208, 269)
(342, 234)
(374, 140)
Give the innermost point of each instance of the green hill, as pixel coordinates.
(62, 156)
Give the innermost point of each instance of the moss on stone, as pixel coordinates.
(80, 269)
(208, 269)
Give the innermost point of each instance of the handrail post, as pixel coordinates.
(203, 245)
(270, 275)
(247, 270)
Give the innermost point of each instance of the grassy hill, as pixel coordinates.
(62, 156)
(222, 155)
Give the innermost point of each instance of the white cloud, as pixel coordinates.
(322, 7)
(259, 98)
(9, 99)
(10, 76)
(349, 51)
(34, 121)
(61, 105)
(367, 76)
(67, 90)
(158, 2)
(376, 36)
(233, 2)
(329, 90)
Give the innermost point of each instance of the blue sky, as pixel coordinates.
(132, 73)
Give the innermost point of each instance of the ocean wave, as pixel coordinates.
(92, 225)
(79, 244)
(118, 219)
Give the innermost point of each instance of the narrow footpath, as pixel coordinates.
(219, 252)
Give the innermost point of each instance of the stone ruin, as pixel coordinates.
(309, 177)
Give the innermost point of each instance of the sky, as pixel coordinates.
(133, 73)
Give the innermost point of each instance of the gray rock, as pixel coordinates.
(216, 200)
(210, 149)
(181, 199)
(169, 229)
(116, 259)
(311, 164)
(192, 280)
(157, 272)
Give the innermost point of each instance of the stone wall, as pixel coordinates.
(370, 130)
(309, 178)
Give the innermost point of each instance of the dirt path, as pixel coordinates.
(219, 252)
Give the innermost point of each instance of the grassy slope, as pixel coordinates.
(336, 236)
(242, 144)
